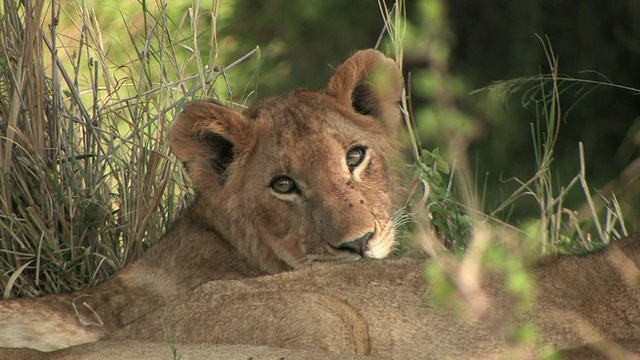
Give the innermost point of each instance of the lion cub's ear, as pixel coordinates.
(206, 137)
(371, 84)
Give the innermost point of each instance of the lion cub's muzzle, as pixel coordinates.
(353, 250)
(357, 246)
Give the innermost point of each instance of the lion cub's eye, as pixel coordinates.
(355, 156)
(284, 185)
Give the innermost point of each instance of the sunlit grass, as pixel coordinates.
(86, 182)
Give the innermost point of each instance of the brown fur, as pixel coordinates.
(580, 300)
(585, 305)
(238, 226)
(138, 350)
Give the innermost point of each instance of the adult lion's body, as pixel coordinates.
(380, 309)
(296, 179)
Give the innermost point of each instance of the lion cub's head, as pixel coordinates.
(301, 177)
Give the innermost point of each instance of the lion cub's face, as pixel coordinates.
(301, 177)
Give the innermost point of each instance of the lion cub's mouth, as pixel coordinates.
(370, 245)
(357, 246)
(353, 250)
(376, 244)
(339, 256)
(342, 253)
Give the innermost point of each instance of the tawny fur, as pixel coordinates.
(580, 300)
(237, 225)
(584, 306)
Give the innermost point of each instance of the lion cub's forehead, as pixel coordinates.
(301, 116)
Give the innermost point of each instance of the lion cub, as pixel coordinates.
(298, 179)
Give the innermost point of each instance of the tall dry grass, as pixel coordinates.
(86, 183)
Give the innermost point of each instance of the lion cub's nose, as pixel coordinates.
(357, 246)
